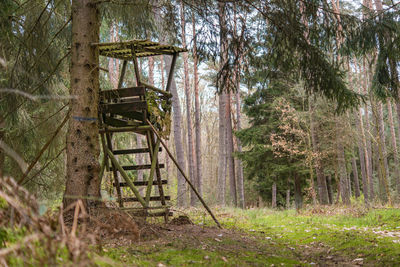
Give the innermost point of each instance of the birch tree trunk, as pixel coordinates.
(197, 110)
(83, 148)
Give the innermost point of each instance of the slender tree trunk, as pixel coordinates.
(222, 100)
(239, 166)
(298, 196)
(82, 138)
(394, 145)
(192, 168)
(356, 179)
(177, 118)
(321, 181)
(273, 203)
(197, 110)
(113, 63)
(230, 151)
(363, 153)
(329, 185)
(2, 156)
(342, 166)
(288, 198)
(166, 157)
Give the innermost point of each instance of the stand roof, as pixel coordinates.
(141, 48)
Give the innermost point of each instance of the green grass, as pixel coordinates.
(264, 237)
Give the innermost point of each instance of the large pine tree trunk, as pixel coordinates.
(191, 165)
(82, 138)
(197, 110)
(177, 117)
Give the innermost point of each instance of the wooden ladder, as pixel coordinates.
(125, 110)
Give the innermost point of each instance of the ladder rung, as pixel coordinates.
(154, 198)
(132, 151)
(138, 167)
(142, 183)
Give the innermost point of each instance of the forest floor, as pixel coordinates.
(331, 236)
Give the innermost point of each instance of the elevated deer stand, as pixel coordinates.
(127, 110)
(137, 109)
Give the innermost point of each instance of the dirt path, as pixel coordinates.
(222, 247)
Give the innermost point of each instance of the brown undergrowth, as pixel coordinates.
(61, 237)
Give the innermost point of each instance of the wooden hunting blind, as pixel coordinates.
(143, 109)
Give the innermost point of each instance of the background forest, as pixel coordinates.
(276, 103)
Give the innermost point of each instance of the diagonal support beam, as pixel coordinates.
(126, 178)
(185, 176)
(152, 171)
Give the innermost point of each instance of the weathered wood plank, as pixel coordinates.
(123, 107)
(142, 183)
(136, 129)
(132, 151)
(139, 167)
(153, 198)
(123, 92)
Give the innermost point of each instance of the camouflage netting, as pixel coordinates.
(159, 113)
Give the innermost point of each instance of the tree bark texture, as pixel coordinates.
(191, 165)
(230, 151)
(321, 181)
(197, 111)
(273, 203)
(341, 160)
(298, 196)
(221, 108)
(355, 177)
(177, 117)
(82, 138)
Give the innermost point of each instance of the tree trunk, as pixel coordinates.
(321, 181)
(83, 148)
(329, 185)
(383, 170)
(197, 110)
(273, 203)
(230, 151)
(298, 196)
(177, 117)
(288, 198)
(356, 179)
(394, 146)
(222, 100)
(342, 166)
(363, 153)
(192, 168)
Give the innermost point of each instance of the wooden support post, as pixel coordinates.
(152, 171)
(171, 72)
(102, 165)
(114, 169)
(136, 66)
(184, 175)
(126, 178)
(121, 77)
